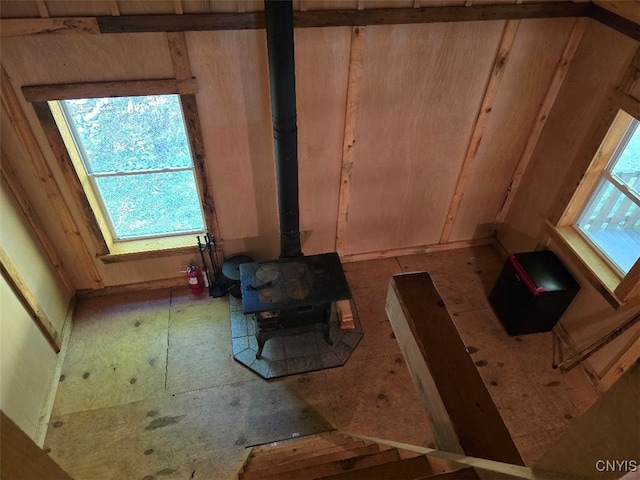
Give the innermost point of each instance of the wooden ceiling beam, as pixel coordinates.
(317, 18)
(615, 21)
(340, 18)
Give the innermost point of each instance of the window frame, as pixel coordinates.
(615, 286)
(607, 178)
(108, 249)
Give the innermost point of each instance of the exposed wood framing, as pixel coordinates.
(133, 287)
(541, 117)
(624, 8)
(600, 126)
(28, 300)
(16, 27)
(615, 21)
(182, 69)
(589, 180)
(354, 84)
(317, 18)
(71, 175)
(439, 247)
(45, 93)
(360, 5)
(42, 8)
(340, 18)
(31, 215)
(113, 8)
(240, 6)
(43, 424)
(179, 55)
(147, 254)
(194, 129)
(482, 120)
(18, 118)
(587, 260)
(626, 103)
(629, 283)
(632, 76)
(461, 412)
(628, 356)
(177, 7)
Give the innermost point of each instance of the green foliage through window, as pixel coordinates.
(135, 151)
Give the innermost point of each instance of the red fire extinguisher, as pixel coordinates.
(195, 283)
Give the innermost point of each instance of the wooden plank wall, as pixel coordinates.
(413, 112)
(600, 65)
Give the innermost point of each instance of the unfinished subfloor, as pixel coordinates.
(150, 390)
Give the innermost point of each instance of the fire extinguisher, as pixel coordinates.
(195, 283)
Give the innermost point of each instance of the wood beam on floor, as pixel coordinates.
(460, 409)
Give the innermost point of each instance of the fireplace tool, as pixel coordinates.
(217, 283)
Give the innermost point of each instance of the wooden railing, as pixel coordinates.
(611, 214)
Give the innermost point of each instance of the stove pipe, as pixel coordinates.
(279, 25)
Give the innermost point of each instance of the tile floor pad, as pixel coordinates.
(292, 354)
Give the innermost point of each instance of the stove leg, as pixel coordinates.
(326, 325)
(261, 341)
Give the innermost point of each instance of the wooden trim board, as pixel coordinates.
(125, 88)
(28, 300)
(47, 182)
(438, 247)
(461, 412)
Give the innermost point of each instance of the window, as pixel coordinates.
(133, 159)
(600, 227)
(611, 217)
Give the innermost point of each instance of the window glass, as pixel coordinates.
(136, 154)
(611, 218)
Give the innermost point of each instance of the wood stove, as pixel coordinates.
(293, 293)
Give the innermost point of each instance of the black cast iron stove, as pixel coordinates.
(292, 295)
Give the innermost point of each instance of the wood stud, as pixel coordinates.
(8, 174)
(482, 120)
(18, 118)
(113, 8)
(354, 85)
(29, 301)
(42, 8)
(182, 69)
(541, 117)
(177, 7)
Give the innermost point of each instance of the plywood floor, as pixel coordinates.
(150, 390)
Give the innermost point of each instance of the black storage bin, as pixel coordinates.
(532, 292)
